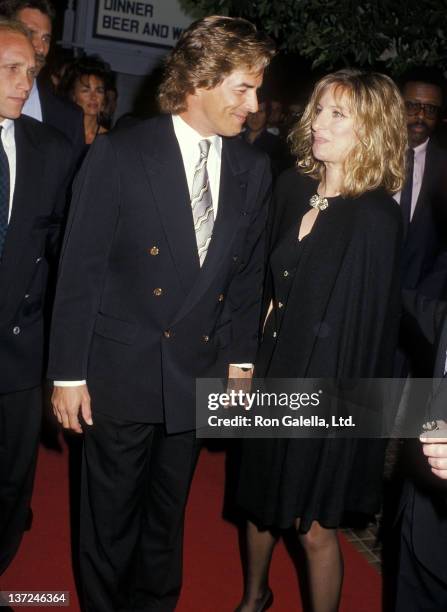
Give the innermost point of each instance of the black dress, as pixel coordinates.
(336, 314)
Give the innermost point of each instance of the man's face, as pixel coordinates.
(224, 109)
(39, 26)
(421, 121)
(17, 71)
(258, 120)
(275, 112)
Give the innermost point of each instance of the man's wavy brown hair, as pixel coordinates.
(378, 159)
(208, 51)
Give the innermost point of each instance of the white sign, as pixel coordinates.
(150, 22)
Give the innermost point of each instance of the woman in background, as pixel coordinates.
(86, 82)
(333, 294)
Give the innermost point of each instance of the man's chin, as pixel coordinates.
(14, 113)
(417, 137)
(229, 133)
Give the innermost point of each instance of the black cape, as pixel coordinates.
(340, 321)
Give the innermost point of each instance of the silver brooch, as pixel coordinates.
(316, 201)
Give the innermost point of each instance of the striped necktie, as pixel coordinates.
(4, 193)
(202, 203)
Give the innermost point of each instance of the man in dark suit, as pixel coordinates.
(257, 134)
(422, 575)
(423, 202)
(42, 104)
(33, 173)
(424, 197)
(160, 284)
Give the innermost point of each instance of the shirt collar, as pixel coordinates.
(421, 148)
(34, 90)
(187, 135)
(8, 128)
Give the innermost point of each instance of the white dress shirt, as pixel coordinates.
(9, 144)
(33, 107)
(188, 140)
(420, 153)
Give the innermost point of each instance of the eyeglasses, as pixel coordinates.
(414, 108)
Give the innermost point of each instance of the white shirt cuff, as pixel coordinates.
(69, 383)
(242, 365)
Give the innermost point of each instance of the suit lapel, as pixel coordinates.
(45, 100)
(26, 201)
(441, 354)
(232, 196)
(425, 185)
(232, 192)
(164, 167)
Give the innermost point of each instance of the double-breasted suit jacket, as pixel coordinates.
(135, 315)
(43, 167)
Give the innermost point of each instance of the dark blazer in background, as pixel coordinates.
(275, 148)
(425, 495)
(135, 315)
(424, 260)
(63, 115)
(427, 233)
(43, 168)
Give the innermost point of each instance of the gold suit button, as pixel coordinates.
(206, 338)
(154, 250)
(221, 297)
(158, 291)
(167, 333)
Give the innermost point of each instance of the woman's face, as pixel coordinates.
(89, 94)
(333, 128)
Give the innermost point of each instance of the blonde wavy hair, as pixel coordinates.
(378, 158)
(208, 51)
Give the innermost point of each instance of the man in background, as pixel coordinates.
(422, 573)
(42, 104)
(34, 170)
(423, 199)
(257, 134)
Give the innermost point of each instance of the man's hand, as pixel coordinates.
(237, 372)
(435, 449)
(239, 379)
(67, 401)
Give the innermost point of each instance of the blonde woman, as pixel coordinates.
(333, 296)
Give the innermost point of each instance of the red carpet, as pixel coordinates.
(212, 568)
